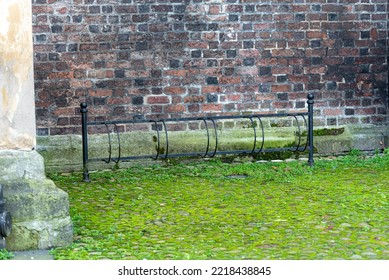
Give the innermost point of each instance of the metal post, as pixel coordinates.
(5, 221)
(310, 127)
(84, 119)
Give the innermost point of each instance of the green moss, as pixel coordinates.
(326, 132)
(278, 155)
(206, 211)
(5, 255)
(281, 155)
(161, 150)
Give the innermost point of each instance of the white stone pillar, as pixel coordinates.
(40, 211)
(17, 109)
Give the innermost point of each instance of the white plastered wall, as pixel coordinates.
(17, 109)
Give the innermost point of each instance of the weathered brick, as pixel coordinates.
(100, 92)
(208, 57)
(229, 80)
(179, 108)
(158, 100)
(281, 88)
(211, 107)
(125, 9)
(174, 90)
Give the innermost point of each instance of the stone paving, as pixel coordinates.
(32, 255)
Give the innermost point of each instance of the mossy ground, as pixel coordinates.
(335, 210)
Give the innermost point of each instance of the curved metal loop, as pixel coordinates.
(109, 143)
(206, 127)
(306, 125)
(299, 132)
(167, 139)
(255, 135)
(119, 146)
(263, 134)
(158, 140)
(216, 138)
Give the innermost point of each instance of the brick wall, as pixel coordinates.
(166, 58)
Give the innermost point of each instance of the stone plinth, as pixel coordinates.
(40, 210)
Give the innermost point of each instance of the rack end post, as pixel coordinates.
(310, 102)
(84, 124)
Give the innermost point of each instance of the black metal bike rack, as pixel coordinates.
(210, 123)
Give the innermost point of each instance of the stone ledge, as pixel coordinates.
(64, 153)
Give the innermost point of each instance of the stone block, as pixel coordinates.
(40, 234)
(18, 164)
(39, 210)
(35, 199)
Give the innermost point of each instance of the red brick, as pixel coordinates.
(283, 17)
(366, 111)
(249, 53)
(41, 9)
(234, 97)
(234, 8)
(280, 88)
(247, 71)
(277, 70)
(62, 10)
(89, 47)
(211, 89)
(352, 103)
(100, 92)
(316, 35)
(263, 26)
(282, 104)
(64, 111)
(244, 89)
(125, 9)
(194, 99)
(298, 78)
(210, 36)
(267, 61)
(179, 108)
(174, 90)
(315, 70)
(247, 106)
(118, 100)
(298, 44)
(348, 52)
(214, 9)
(333, 112)
(198, 45)
(176, 127)
(82, 61)
(281, 52)
(229, 80)
(80, 83)
(211, 72)
(177, 73)
(160, 99)
(211, 107)
(193, 108)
